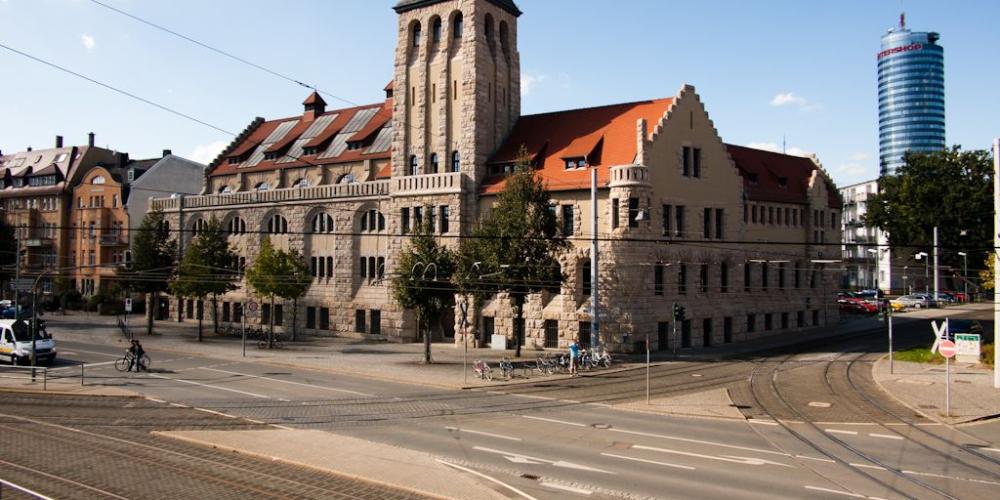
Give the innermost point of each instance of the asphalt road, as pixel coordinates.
(561, 438)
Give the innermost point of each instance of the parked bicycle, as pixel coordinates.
(482, 370)
(543, 365)
(603, 359)
(263, 340)
(125, 362)
(507, 368)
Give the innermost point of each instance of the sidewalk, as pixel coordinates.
(921, 387)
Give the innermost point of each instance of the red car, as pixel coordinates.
(856, 305)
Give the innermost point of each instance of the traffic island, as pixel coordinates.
(921, 387)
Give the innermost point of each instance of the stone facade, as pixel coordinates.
(455, 108)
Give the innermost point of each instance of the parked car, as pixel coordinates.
(856, 305)
(9, 312)
(15, 343)
(928, 299)
(947, 297)
(912, 301)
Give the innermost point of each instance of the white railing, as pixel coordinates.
(629, 175)
(450, 182)
(326, 192)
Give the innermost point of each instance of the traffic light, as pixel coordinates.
(678, 312)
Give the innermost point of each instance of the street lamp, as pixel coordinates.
(965, 272)
(927, 270)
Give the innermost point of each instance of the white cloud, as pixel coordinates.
(856, 157)
(88, 41)
(530, 81)
(790, 99)
(770, 146)
(852, 169)
(205, 153)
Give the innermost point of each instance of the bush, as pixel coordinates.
(73, 300)
(986, 354)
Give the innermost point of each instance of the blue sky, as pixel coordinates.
(765, 69)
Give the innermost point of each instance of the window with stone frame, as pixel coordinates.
(551, 334)
(614, 213)
(682, 279)
(404, 219)
(277, 224)
(568, 221)
(658, 284)
(703, 278)
(724, 277)
(585, 277)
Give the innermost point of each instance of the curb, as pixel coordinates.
(55, 392)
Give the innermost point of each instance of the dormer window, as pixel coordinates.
(354, 145)
(263, 186)
(575, 163)
(309, 151)
(61, 158)
(234, 160)
(272, 156)
(301, 183)
(783, 182)
(131, 174)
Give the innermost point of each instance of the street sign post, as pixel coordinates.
(647, 369)
(945, 348)
(251, 311)
(128, 309)
(128, 305)
(967, 347)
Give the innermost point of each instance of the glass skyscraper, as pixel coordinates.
(910, 95)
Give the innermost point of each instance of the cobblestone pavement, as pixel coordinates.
(100, 447)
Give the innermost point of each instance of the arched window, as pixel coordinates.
(434, 163)
(277, 225)
(416, 35)
(489, 30)
(322, 223)
(503, 35)
(97, 180)
(345, 179)
(456, 29)
(301, 183)
(413, 165)
(200, 226)
(263, 186)
(436, 30)
(237, 226)
(456, 161)
(225, 190)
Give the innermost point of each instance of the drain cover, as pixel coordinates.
(601, 426)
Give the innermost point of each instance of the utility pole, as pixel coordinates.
(595, 330)
(935, 264)
(996, 261)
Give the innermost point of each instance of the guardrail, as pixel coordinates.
(324, 192)
(31, 373)
(21, 489)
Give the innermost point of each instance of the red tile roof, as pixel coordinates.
(605, 136)
(777, 177)
(247, 146)
(314, 98)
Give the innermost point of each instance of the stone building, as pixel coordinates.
(742, 238)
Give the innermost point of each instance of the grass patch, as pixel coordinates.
(918, 354)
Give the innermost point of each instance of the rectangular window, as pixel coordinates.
(706, 332)
(359, 321)
(237, 312)
(488, 328)
(751, 322)
(443, 213)
(376, 322)
(682, 279)
(686, 333)
(404, 220)
(311, 317)
(586, 277)
(719, 219)
(614, 213)
(662, 336)
(265, 314)
(781, 276)
(633, 212)
(680, 220)
(190, 309)
(418, 218)
(696, 165)
(788, 216)
(816, 317)
(753, 213)
(770, 215)
(279, 314)
(225, 312)
(567, 220)
(707, 223)
(800, 319)
(724, 277)
(658, 279)
(768, 325)
(746, 276)
(763, 276)
(363, 269)
(551, 334)
(795, 217)
(798, 277)
(329, 267)
(703, 278)
(784, 321)
(727, 329)
(583, 328)
(686, 161)
(667, 219)
(324, 318)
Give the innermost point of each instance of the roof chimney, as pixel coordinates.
(314, 106)
(90, 139)
(58, 141)
(167, 152)
(29, 149)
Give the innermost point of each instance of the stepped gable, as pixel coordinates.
(773, 177)
(604, 136)
(263, 146)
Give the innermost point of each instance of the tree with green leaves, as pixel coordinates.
(951, 190)
(153, 257)
(264, 277)
(296, 280)
(423, 281)
(8, 249)
(206, 269)
(517, 244)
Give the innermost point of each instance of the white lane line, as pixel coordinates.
(51, 476)
(481, 433)
(219, 413)
(994, 450)
(827, 460)
(578, 491)
(101, 353)
(155, 400)
(654, 462)
(885, 436)
(698, 441)
(259, 396)
(519, 458)
(552, 420)
(761, 422)
(866, 466)
(838, 431)
(835, 492)
(334, 389)
(941, 476)
(282, 427)
(488, 478)
(735, 460)
(178, 405)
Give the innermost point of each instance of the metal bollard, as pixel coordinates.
(81, 374)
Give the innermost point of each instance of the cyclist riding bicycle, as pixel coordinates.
(136, 351)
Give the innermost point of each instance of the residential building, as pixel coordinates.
(866, 249)
(740, 237)
(910, 95)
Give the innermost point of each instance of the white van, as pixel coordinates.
(15, 343)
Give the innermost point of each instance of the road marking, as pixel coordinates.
(219, 413)
(178, 405)
(838, 431)
(481, 433)
(866, 466)
(994, 450)
(282, 427)
(836, 492)
(543, 419)
(259, 396)
(99, 353)
(527, 459)
(488, 478)
(51, 476)
(698, 441)
(885, 436)
(735, 460)
(761, 422)
(579, 491)
(155, 400)
(819, 404)
(654, 462)
(941, 476)
(827, 460)
(334, 389)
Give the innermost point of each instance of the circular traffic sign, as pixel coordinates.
(252, 307)
(947, 348)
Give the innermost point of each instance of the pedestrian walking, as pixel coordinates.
(574, 356)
